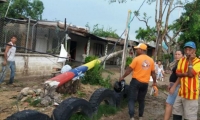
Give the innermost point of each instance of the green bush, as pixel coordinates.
(90, 58)
(128, 61)
(94, 75)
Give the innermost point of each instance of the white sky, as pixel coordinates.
(81, 12)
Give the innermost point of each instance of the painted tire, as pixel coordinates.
(71, 105)
(102, 95)
(28, 115)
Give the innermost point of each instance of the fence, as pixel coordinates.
(30, 36)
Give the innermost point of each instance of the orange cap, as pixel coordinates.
(141, 46)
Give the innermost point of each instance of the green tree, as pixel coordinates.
(23, 8)
(191, 28)
(101, 32)
(163, 31)
(146, 34)
(163, 9)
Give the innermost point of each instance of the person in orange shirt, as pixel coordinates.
(186, 103)
(142, 67)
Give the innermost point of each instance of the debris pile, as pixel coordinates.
(39, 97)
(49, 95)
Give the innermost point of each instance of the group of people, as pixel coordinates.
(182, 100)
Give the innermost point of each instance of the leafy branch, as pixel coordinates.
(101, 32)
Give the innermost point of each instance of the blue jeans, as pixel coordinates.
(172, 97)
(137, 92)
(11, 65)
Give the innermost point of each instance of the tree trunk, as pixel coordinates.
(158, 50)
(160, 53)
(167, 64)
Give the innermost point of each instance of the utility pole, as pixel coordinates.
(125, 44)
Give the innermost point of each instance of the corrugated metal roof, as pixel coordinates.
(83, 31)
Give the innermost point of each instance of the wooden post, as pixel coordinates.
(1, 32)
(106, 51)
(27, 34)
(66, 39)
(125, 44)
(88, 48)
(66, 35)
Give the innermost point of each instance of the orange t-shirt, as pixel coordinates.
(142, 66)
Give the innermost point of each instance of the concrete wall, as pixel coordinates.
(30, 65)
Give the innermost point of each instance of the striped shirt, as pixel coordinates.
(189, 88)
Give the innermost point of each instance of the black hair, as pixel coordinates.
(13, 36)
(182, 52)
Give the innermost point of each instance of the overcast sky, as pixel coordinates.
(81, 12)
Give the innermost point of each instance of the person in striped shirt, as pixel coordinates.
(186, 103)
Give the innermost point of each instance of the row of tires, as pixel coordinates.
(72, 105)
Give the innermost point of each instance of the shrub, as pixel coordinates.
(90, 58)
(94, 75)
(128, 61)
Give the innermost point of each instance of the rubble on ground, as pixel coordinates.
(48, 95)
(39, 97)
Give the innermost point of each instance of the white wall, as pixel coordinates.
(80, 50)
(37, 65)
(81, 42)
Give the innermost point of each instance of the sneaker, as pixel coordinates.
(132, 119)
(140, 118)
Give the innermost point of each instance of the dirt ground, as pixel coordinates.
(154, 106)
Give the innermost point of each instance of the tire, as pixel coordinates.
(28, 115)
(69, 106)
(122, 95)
(100, 95)
(118, 97)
